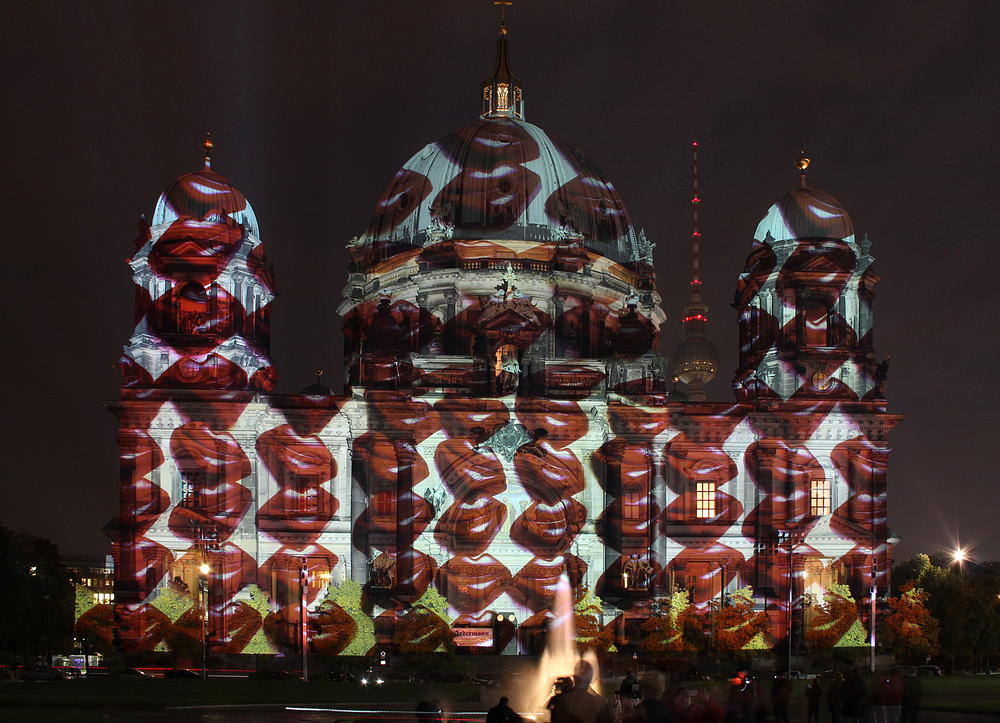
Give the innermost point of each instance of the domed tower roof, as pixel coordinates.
(504, 179)
(805, 213)
(204, 196)
(501, 178)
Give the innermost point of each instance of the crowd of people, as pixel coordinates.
(885, 698)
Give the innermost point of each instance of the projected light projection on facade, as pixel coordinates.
(505, 417)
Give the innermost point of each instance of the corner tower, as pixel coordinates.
(203, 291)
(805, 305)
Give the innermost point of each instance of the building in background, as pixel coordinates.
(505, 417)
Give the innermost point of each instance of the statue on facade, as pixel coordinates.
(510, 373)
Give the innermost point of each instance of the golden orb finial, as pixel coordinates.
(802, 163)
(319, 372)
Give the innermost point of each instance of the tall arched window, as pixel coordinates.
(819, 494)
(192, 308)
(384, 503)
(816, 317)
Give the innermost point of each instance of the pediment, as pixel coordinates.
(519, 314)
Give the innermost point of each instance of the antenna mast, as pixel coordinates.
(695, 235)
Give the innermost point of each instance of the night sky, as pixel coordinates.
(313, 107)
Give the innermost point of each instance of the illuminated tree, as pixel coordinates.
(673, 627)
(837, 626)
(95, 624)
(259, 644)
(180, 633)
(910, 628)
(95, 628)
(424, 628)
(590, 634)
(965, 606)
(331, 630)
(739, 628)
(348, 595)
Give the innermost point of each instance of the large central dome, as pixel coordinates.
(500, 245)
(501, 178)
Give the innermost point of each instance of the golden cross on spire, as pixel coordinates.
(502, 3)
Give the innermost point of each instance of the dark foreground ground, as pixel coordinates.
(959, 700)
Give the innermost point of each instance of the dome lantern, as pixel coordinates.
(502, 90)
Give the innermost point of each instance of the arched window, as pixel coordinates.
(384, 503)
(192, 309)
(816, 316)
(707, 476)
(307, 499)
(632, 509)
(819, 494)
(705, 503)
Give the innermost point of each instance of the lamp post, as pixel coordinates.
(786, 536)
(874, 608)
(203, 591)
(303, 595)
(960, 557)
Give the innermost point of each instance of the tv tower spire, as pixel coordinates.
(696, 359)
(694, 207)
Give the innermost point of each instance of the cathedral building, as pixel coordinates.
(506, 417)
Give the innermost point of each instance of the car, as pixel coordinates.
(181, 673)
(982, 670)
(32, 673)
(920, 670)
(129, 673)
(799, 675)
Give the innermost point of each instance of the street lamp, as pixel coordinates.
(303, 595)
(960, 557)
(203, 590)
(786, 536)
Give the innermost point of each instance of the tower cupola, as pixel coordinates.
(502, 90)
(805, 304)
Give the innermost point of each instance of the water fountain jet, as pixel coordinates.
(561, 654)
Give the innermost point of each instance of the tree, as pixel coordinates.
(259, 644)
(909, 627)
(837, 626)
(424, 627)
(590, 634)
(739, 628)
(37, 598)
(673, 626)
(348, 596)
(965, 605)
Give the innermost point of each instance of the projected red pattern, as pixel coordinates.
(643, 492)
(792, 297)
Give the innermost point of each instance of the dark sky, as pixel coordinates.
(314, 105)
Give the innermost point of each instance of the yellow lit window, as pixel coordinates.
(705, 500)
(503, 95)
(819, 496)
